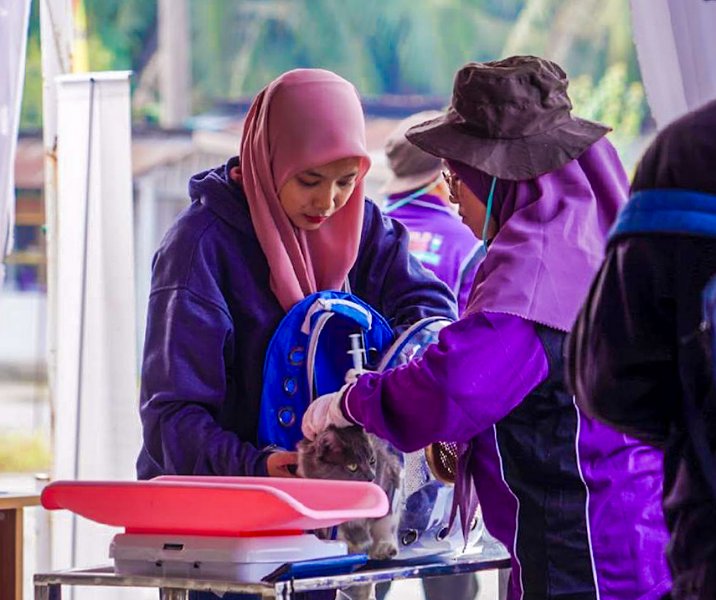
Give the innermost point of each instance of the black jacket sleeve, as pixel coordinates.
(622, 353)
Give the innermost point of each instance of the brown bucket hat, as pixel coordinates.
(411, 168)
(510, 119)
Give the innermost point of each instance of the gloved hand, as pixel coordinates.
(323, 412)
(352, 375)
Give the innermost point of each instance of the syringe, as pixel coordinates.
(357, 352)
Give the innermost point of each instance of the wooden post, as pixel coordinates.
(11, 554)
(11, 532)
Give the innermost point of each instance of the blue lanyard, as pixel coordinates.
(488, 212)
(409, 198)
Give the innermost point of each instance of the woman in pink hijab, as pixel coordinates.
(262, 232)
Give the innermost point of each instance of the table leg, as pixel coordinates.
(173, 594)
(44, 591)
(503, 583)
(11, 553)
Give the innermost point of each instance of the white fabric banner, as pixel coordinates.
(14, 19)
(676, 45)
(97, 428)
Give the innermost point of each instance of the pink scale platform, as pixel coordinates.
(237, 528)
(230, 506)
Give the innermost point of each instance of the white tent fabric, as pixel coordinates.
(676, 45)
(14, 18)
(97, 430)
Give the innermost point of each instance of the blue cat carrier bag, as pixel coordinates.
(314, 346)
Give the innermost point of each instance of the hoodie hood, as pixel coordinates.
(222, 195)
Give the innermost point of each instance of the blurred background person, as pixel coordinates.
(418, 197)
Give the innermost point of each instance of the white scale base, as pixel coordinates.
(241, 559)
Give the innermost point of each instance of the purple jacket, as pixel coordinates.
(577, 503)
(633, 358)
(440, 242)
(211, 316)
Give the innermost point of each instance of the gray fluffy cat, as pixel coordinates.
(352, 454)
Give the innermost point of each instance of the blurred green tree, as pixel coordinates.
(395, 47)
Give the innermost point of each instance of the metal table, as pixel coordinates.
(48, 586)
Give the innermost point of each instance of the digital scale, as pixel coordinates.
(225, 528)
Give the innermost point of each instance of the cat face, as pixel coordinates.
(344, 454)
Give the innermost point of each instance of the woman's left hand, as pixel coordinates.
(282, 464)
(323, 412)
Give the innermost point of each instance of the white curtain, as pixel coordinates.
(676, 45)
(14, 17)
(97, 429)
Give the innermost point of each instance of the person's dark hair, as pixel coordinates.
(683, 155)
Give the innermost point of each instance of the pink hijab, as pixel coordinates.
(305, 118)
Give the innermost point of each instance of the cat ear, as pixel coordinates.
(327, 442)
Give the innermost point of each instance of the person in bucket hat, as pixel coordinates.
(418, 197)
(576, 503)
(411, 169)
(509, 119)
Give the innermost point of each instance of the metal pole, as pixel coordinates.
(174, 58)
(56, 42)
(272, 593)
(503, 583)
(56, 37)
(83, 312)
(42, 592)
(43, 531)
(173, 594)
(45, 591)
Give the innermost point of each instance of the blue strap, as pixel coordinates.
(667, 211)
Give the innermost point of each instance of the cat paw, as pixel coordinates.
(383, 550)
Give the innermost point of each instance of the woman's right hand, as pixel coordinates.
(282, 464)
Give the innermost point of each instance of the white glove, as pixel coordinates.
(352, 375)
(323, 412)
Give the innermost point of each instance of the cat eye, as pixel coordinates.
(352, 467)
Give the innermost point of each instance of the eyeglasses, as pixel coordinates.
(453, 182)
